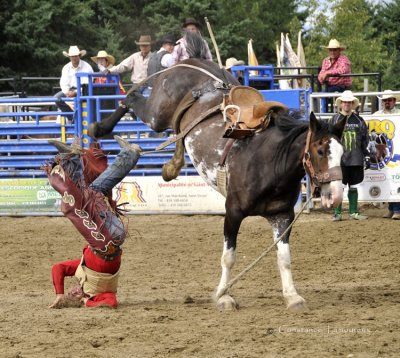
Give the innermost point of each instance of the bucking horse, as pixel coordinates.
(258, 168)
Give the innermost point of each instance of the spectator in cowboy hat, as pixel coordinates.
(335, 64)
(68, 77)
(180, 53)
(137, 63)
(389, 107)
(232, 61)
(103, 60)
(355, 142)
(388, 103)
(161, 59)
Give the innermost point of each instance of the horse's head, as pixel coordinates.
(322, 160)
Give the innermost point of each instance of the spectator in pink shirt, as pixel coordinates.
(335, 64)
(180, 53)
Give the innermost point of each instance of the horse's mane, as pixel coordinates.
(195, 45)
(292, 127)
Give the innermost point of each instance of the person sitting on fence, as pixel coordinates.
(104, 61)
(180, 53)
(68, 77)
(85, 183)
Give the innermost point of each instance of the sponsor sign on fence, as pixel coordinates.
(382, 182)
(143, 195)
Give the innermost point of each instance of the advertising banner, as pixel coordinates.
(30, 196)
(143, 195)
(188, 194)
(382, 181)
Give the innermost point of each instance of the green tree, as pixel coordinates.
(385, 20)
(352, 25)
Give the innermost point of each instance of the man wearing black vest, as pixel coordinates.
(161, 59)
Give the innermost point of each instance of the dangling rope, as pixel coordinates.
(265, 252)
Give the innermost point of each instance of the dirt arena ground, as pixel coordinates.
(347, 271)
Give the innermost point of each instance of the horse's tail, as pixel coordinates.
(195, 45)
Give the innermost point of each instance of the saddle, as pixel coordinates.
(246, 112)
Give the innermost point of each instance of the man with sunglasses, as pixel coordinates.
(388, 103)
(389, 107)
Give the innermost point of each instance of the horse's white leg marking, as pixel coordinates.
(293, 299)
(224, 301)
(228, 259)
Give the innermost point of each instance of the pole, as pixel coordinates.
(214, 42)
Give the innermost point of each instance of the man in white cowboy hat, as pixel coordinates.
(180, 53)
(388, 103)
(68, 77)
(355, 142)
(389, 107)
(137, 63)
(335, 64)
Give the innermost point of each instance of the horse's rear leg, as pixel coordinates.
(294, 301)
(232, 223)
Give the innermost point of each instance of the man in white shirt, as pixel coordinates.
(137, 63)
(68, 77)
(388, 103)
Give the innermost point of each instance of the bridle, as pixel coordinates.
(320, 177)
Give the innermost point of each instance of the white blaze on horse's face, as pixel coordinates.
(332, 193)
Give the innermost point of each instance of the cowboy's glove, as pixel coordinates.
(367, 163)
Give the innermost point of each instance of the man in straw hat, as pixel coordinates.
(355, 142)
(232, 61)
(103, 60)
(335, 64)
(388, 103)
(180, 53)
(389, 107)
(68, 76)
(137, 63)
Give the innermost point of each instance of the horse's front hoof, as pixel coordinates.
(297, 304)
(227, 303)
(92, 130)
